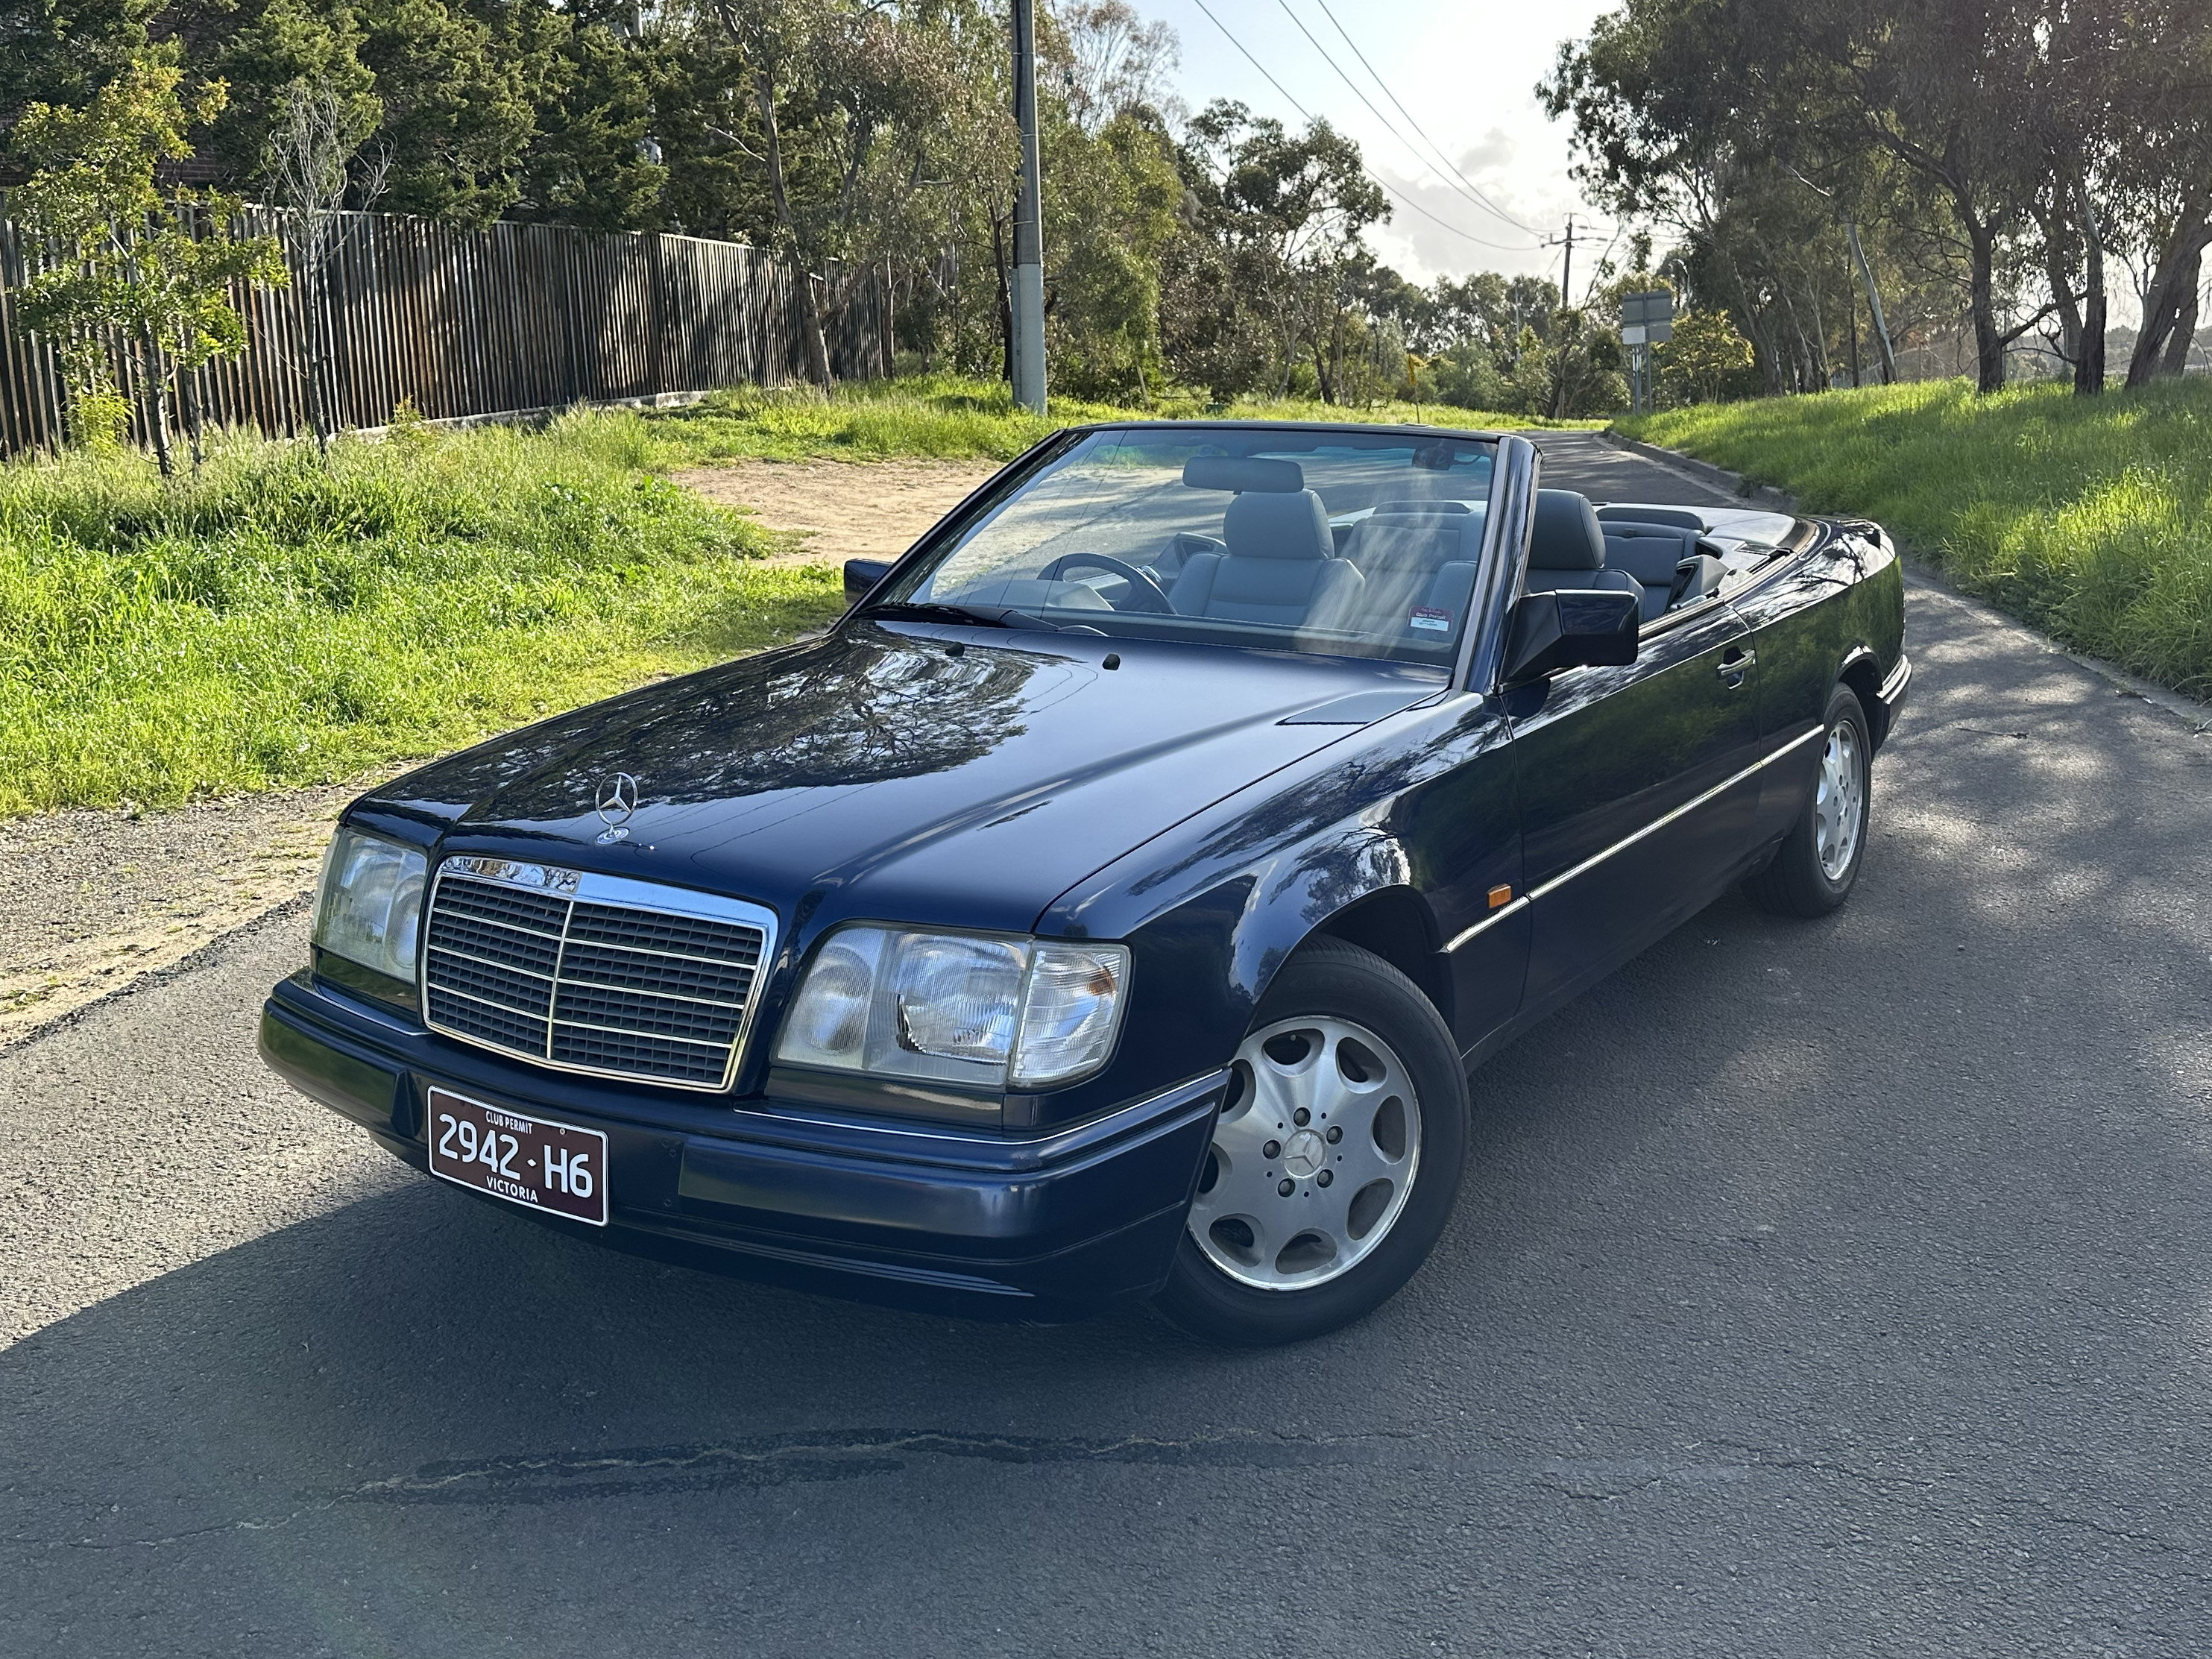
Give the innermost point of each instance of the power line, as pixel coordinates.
(1401, 196)
(1472, 188)
(1470, 192)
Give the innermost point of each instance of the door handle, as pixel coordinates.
(1734, 665)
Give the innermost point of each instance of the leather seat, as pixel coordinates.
(1280, 568)
(1651, 553)
(1415, 562)
(1566, 550)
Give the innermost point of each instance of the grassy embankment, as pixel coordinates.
(283, 619)
(2090, 517)
(965, 420)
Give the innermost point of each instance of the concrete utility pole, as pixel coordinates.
(1027, 293)
(1873, 306)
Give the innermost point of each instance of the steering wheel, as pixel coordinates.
(1145, 587)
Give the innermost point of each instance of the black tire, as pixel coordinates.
(1330, 979)
(1795, 882)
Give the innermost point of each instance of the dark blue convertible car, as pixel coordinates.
(1114, 902)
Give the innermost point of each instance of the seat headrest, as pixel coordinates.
(1566, 534)
(1278, 526)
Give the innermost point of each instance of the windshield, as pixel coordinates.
(1321, 541)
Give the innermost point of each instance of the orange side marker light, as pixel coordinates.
(1500, 894)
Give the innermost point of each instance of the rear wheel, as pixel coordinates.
(1334, 1160)
(1817, 864)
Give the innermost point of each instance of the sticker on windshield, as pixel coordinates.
(1436, 621)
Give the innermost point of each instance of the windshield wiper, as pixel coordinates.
(932, 611)
(1000, 616)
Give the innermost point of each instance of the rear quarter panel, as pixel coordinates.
(1834, 607)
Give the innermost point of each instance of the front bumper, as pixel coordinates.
(1894, 692)
(908, 1213)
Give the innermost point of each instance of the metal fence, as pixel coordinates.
(481, 320)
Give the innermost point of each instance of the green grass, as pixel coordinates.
(2091, 518)
(282, 620)
(952, 419)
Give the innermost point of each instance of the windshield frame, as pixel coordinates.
(913, 568)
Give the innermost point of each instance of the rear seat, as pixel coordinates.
(1653, 553)
(1419, 570)
(1567, 550)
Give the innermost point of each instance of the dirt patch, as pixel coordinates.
(843, 509)
(91, 901)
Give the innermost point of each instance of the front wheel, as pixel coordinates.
(1817, 864)
(1334, 1160)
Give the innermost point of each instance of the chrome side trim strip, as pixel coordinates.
(1687, 806)
(1487, 922)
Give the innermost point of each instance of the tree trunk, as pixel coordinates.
(1006, 298)
(810, 302)
(1989, 342)
(2173, 288)
(154, 391)
(2071, 321)
(2184, 322)
(2089, 366)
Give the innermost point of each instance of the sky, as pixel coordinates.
(1465, 72)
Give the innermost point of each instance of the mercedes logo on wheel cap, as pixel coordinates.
(618, 803)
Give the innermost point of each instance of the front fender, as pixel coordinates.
(1418, 806)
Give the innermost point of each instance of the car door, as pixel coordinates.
(1795, 611)
(1635, 811)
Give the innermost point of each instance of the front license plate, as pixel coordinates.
(524, 1160)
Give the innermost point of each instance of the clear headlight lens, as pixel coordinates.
(989, 1011)
(370, 908)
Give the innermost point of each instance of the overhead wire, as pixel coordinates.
(1472, 188)
(1463, 188)
(1401, 196)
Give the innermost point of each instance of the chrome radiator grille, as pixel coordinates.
(590, 973)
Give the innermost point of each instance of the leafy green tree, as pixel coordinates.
(153, 270)
(460, 86)
(1705, 361)
(594, 161)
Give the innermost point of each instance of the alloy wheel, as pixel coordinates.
(1838, 801)
(1313, 1157)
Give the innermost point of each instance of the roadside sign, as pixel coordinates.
(1647, 319)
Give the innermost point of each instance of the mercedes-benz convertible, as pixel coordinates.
(1116, 902)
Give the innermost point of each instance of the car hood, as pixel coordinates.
(953, 776)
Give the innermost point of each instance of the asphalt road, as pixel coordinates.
(1817, 1288)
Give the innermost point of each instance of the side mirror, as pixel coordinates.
(861, 576)
(1572, 627)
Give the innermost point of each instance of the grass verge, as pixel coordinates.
(2091, 518)
(945, 417)
(282, 619)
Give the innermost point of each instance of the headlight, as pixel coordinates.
(370, 908)
(970, 1008)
